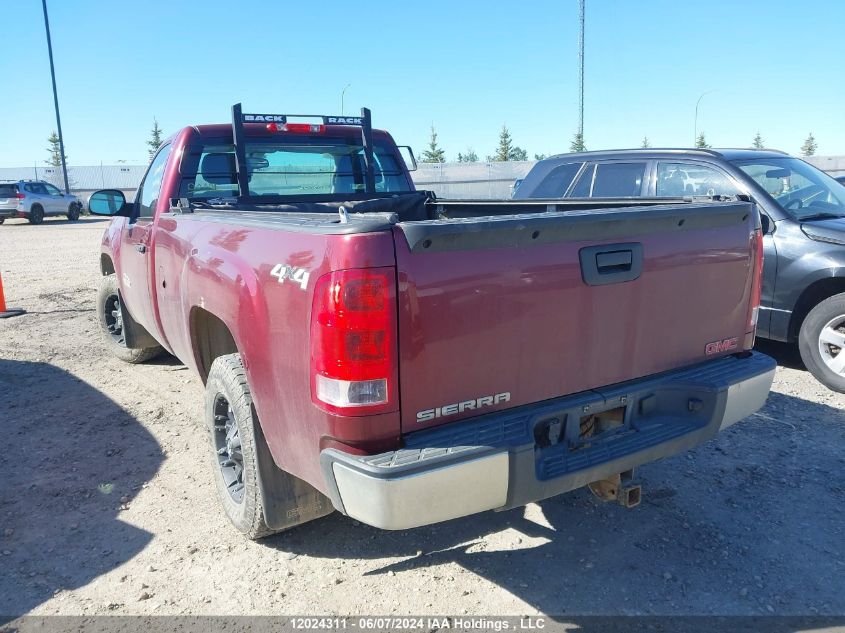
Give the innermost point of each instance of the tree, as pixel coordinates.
(577, 144)
(539, 156)
(701, 142)
(758, 142)
(506, 149)
(55, 150)
(469, 157)
(810, 146)
(155, 139)
(645, 144)
(434, 153)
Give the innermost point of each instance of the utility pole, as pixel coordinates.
(581, 69)
(55, 95)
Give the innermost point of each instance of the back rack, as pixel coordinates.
(239, 138)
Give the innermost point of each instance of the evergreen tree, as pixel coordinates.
(506, 150)
(469, 157)
(434, 153)
(539, 156)
(758, 142)
(701, 142)
(503, 151)
(645, 144)
(810, 146)
(155, 139)
(577, 144)
(55, 151)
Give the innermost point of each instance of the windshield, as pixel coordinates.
(801, 190)
(289, 168)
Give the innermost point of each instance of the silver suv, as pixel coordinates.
(35, 200)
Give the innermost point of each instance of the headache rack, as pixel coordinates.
(239, 118)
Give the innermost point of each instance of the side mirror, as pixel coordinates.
(408, 156)
(108, 202)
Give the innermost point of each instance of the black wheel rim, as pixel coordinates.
(227, 444)
(114, 319)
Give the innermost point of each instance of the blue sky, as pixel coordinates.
(465, 66)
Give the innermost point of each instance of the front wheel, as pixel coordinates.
(2, 220)
(73, 212)
(110, 316)
(822, 342)
(230, 417)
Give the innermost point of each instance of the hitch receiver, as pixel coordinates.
(614, 488)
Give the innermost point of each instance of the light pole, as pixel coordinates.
(695, 125)
(55, 95)
(581, 9)
(342, 94)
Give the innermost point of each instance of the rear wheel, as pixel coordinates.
(822, 342)
(36, 214)
(73, 212)
(2, 220)
(230, 417)
(110, 316)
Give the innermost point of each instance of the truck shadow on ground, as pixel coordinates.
(55, 221)
(71, 455)
(749, 523)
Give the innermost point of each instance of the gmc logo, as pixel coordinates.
(717, 347)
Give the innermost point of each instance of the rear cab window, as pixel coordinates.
(286, 166)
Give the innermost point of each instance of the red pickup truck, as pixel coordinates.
(404, 360)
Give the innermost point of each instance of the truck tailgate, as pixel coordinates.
(496, 312)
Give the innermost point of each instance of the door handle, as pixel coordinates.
(141, 248)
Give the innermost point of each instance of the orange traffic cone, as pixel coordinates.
(5, 312)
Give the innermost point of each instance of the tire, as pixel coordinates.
(36, 214)
(110, 317)
(230, 418)
(821, 330)
(2, 220)
(73, 212)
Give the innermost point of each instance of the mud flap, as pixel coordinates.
(287, 500)
(135, 334)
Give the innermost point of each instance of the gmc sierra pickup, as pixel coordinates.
(405, 360)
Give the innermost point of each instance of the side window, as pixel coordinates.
(151, 185)
(557, 181)
(690, 179)
(618, 180)
(51, 190)
(36, 188)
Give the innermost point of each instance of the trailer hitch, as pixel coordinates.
(618, 488)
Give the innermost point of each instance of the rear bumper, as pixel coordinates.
(507, 459)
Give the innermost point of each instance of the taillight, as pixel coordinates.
(353, 341)
(20, 196)
(756, 282)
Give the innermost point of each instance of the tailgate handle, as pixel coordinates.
(611, 263)
(614, 262)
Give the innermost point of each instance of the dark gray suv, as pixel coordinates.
(803, 212)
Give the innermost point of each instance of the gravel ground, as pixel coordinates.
(107, 503)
